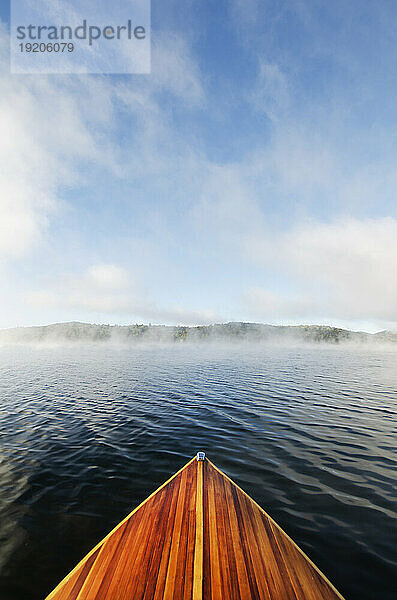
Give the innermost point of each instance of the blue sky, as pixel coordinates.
(252, 176)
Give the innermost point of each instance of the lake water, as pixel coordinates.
(87, 432)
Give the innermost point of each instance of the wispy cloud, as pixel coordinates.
(271, 93)
(49, 130)
(110, 291)
(175, 70)
(337, 270)
(53, 130)
(331, 270)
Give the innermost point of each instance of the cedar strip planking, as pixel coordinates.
(95, 577)
(117, 579)
(258, 564)
(158, 545)
(148, 548)
(136, 565)
(290, 565)
(228, 590)
(234, 533)
(184, 572)
(198, 537)
(132, 569)
(273, 577)
(229, 567)
(215, 571)
(276, 563)
(113, 569)
(164, 558)
(176, 537)
(242, 524)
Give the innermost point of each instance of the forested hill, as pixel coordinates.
(250, 332)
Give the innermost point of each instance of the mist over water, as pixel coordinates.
(88, 431)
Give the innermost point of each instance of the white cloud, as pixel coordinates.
(49, 129)
(301, 160)
(271, 94)
(108, 276)
(227, 207)
(174, 69)
(344, 269)
(340, 270)
(273, 306)
(56, 133)
(106, 290)
(53, 130)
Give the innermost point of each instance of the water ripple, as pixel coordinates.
(89, 432)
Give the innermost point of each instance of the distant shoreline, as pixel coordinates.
(223, 332)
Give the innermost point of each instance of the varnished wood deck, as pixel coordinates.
(199, 537)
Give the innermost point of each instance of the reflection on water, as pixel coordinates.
(88, 432)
